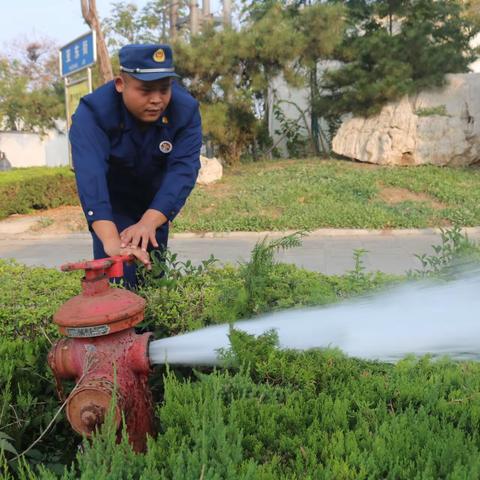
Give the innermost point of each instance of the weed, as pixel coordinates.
(428, 112)
(312, 194)
(42, 223)
(167, 269)
(455, 253)
(256, 271)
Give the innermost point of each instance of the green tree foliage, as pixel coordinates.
(396, 47)
(231, 71)
(31, 93)
(129, 24)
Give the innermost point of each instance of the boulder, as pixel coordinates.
(211, 170)
(439, 126)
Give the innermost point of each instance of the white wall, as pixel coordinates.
(475, 66)
(24, 149)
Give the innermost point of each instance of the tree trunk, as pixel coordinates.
(227, 13)
(173, 20)
(193, 18)
(89, 13)
(314, 127)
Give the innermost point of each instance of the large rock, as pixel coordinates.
(210, 171)
(440, 127)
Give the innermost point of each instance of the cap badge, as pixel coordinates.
(165, 147)
(159, 55)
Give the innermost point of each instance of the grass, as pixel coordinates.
(294, 194)
(310, 194)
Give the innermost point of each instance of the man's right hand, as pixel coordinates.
(113, 248)
(108, 234)
(140, 254)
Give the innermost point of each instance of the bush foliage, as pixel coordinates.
(24, 190)
(269, 414)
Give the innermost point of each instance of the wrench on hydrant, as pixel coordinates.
(103, 354)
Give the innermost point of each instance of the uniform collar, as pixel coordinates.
(128, 121)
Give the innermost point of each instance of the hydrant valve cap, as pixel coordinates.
(111, 312)
(88, 407)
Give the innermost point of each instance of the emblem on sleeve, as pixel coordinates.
(165, 147)
(159, 55)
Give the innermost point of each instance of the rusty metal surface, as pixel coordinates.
(87, 407)
(103, 354)
(99, 304)
(101, 365)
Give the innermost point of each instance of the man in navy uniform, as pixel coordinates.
(136, 153)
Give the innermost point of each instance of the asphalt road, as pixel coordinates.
(327, 251)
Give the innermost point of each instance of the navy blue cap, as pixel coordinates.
(147, 62)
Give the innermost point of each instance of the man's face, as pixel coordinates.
(146, 101)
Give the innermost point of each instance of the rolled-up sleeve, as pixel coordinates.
(90, 151)
(182, 169)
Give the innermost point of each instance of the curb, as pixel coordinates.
(323, 232)
(326, 232)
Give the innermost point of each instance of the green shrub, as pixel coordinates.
(210, 295)
(30, 296)
(269, 414)
(36, 189)
(28, 402)
(296, 415)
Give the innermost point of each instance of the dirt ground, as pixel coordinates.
(61, 220)
(393, 195)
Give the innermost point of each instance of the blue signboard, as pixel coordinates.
(78, 54)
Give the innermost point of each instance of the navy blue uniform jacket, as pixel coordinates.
(120, 170)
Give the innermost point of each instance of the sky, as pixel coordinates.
(60, 20)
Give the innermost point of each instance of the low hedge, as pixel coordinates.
(24, 190)
(269, 414)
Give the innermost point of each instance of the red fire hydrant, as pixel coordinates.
(103, 354)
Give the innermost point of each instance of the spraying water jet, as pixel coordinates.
(419, 319)
(108, 360)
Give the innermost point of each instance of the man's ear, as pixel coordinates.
(119, 84)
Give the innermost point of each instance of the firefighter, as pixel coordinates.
(136, 153)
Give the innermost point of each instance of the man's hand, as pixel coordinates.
(143, 232)
(137, 252)
(112, 248)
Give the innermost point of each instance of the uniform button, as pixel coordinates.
(90, 213)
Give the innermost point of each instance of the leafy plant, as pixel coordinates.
(292, 132)
(456, 252)
(167, 270)
(255, 272)
(5, 445)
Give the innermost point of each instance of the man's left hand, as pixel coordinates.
(143, 232)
